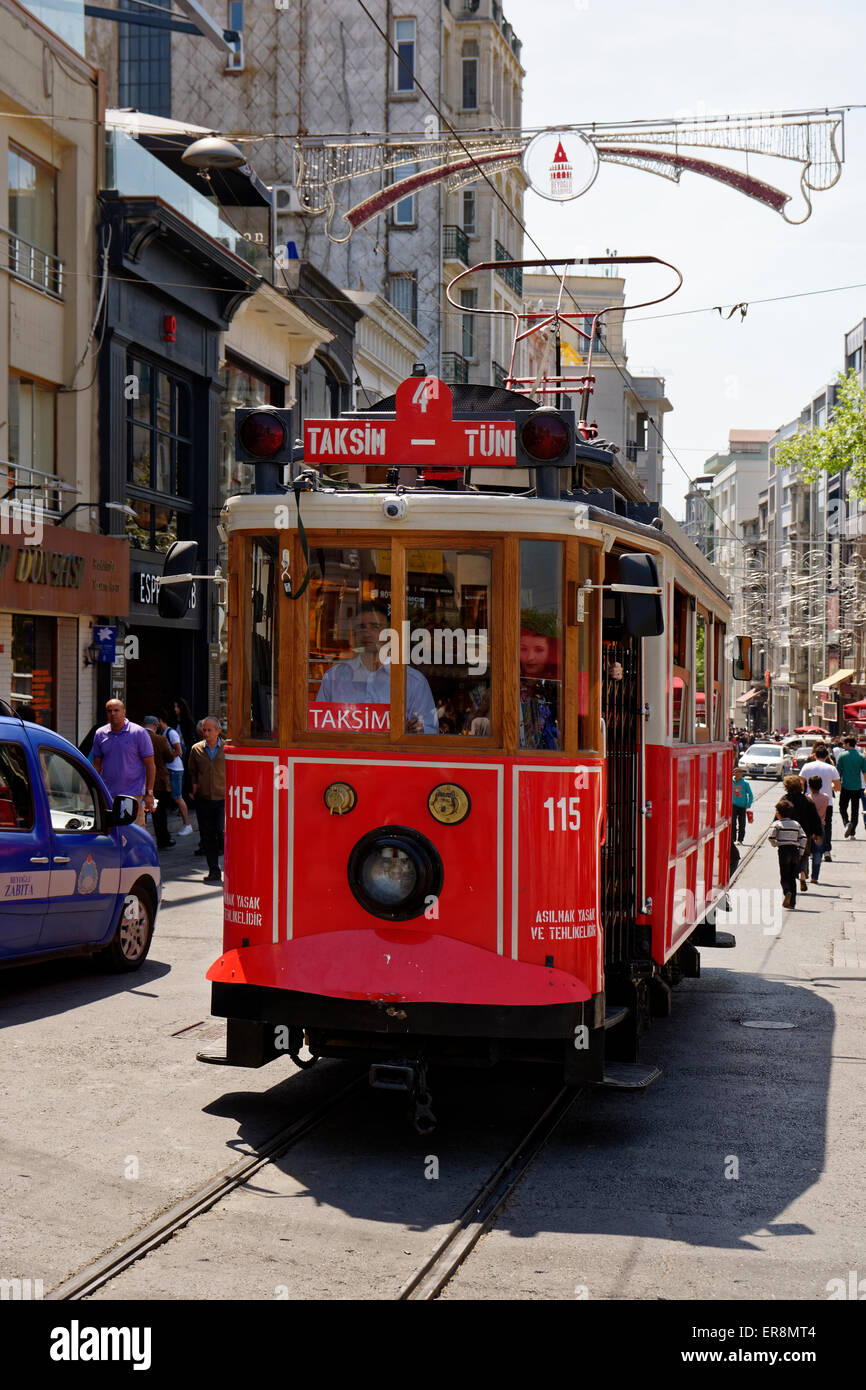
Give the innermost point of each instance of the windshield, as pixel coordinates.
(763, 750)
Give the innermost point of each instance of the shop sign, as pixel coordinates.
(70, 572)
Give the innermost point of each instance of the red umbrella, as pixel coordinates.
(855, 711)
(813, 728)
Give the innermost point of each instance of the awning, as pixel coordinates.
(836, 679)
(750, 696)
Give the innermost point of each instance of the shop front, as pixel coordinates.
(54, 597)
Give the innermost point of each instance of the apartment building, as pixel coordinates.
(628, 409)
(308, 73)
(59, 577)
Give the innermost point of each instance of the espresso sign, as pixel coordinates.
(68, 572)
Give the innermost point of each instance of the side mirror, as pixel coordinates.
(124, 810)
(743, 659)
(642, 614)
(175, 586)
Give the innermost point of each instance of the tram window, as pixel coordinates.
(681, 663)
(262, 650)
(448, 662)
(348, 674)
(718, 688)
(702, 659)
(540, 644)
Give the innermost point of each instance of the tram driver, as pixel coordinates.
(365, 679)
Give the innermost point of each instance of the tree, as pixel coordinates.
(841, 443)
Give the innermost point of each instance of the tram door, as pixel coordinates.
(621, 699)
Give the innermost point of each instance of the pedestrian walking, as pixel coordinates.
(789, 838)
(850, 767)
(175, 770)
(807, 816)
(207, 767)
(162, 755)
(821, 803)
(742, 798)
(820, 766)
(123, 756)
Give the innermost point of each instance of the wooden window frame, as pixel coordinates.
(292, 620)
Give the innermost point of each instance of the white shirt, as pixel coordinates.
(353, 683)
(176, 764)
(828, 775)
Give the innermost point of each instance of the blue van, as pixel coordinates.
(76, 875)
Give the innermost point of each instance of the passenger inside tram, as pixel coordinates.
(365, 678)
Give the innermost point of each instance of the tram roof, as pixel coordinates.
(465, 513)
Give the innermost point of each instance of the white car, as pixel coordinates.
(766, 760)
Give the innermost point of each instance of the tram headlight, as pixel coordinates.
(394, 871)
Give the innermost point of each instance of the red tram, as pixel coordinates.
(478, 798)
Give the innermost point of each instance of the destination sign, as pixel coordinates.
(422, 434)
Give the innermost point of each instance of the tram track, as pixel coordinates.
(101, 1271)
(432, 1276)
(425, 1283)
(452, 1251)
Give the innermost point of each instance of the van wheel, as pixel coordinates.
(131, 942)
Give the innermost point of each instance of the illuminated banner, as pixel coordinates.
(328, 717)
(423, 434)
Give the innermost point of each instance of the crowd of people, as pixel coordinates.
(802, 830)
(167, 762)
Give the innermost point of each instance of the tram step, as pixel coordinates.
(722, 941)
(614, 1015)
(628, 1076)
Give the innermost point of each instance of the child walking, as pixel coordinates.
(742, 800)
(789, 838)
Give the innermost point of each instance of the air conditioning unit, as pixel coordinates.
(286, 199)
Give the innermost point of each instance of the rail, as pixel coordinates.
(30, 263)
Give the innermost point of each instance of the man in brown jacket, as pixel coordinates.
(162, 754)
(207, 769)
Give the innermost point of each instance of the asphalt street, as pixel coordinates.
(736, 1176)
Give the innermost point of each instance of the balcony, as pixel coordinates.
(500, 375)
(132, 171)
(33, 488)
(38, 268)
(455, 244)
(512, 276)
(455, 369)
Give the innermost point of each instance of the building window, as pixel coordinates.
(469, 300)
(404, 61)
(470, 211)
(31, 425)
(33, 220)
(404, 295)
(158, 424)
(404, 213)
(144, 62)
(469, 100)
(235, 20)
(241, 389)
(34, 668)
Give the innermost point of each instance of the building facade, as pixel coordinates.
(306, 72)
(60, 580)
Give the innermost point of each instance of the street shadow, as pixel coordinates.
(713, 1153)
(50, 987)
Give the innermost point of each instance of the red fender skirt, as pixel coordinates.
(396, 966)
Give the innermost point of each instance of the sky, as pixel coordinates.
(612, 60)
